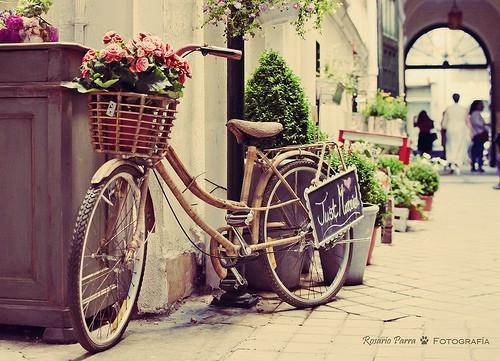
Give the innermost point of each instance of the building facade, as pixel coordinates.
(346, 44)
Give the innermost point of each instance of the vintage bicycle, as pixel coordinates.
(294, 210)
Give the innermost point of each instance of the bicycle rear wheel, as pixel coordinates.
(301, 274)
(102, 287)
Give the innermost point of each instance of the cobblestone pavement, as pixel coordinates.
(438, 283)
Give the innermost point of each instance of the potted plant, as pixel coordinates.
(242, 17)
(362, 156)
(406, 194)
(375, 111)
(376, 195)
(396, 115)
(274, 93)
(133, 89)
(25, 24)
(390, 164)
(424, 172)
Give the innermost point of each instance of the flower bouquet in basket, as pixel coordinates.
(25, 24)
(133, 89)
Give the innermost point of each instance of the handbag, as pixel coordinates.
(482, 137)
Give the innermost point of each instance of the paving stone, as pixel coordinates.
(307, 348)
(246, 355)
(287, 356)
(486, 354)
(323, 322)
(451, 353)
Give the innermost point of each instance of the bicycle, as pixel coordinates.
(271, 222)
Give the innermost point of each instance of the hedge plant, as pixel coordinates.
(274, 94)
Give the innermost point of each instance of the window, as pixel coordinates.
(445, 47)
(390, 18)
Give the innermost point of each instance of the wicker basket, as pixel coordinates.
(130, 124)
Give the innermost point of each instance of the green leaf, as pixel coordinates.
(106, 84)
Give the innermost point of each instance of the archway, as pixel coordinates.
(440, 62)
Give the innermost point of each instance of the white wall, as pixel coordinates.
(342, 34)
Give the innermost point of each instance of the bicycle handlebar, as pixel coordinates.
(210, 50)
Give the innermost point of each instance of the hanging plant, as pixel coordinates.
(241, 17)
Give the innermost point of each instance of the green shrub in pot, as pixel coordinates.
(362, 156)
(405, 192)
(391, 163)
(274, 94)
(423, 172)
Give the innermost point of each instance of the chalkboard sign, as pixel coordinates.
(334, 205)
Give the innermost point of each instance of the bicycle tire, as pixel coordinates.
(287, 266)
(113, 313)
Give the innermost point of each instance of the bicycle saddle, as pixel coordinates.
(243, 129)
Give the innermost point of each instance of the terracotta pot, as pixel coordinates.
(415, 214)
(372, 244)
(428, 202)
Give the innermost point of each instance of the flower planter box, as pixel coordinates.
(328, 90)
(401, 219)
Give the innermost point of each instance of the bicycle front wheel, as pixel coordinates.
(301, 274)
(102, 286)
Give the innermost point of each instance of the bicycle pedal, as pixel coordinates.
(239, 218)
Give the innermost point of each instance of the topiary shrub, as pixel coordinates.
(274, 94)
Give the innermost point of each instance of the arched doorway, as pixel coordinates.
(440, 62)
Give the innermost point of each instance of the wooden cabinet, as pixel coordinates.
(46, 163)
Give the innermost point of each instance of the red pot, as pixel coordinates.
(415, 214)
(428, 202)
(372, 245)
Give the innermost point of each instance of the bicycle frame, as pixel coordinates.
(253, 156)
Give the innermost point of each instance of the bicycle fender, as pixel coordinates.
(108, 168)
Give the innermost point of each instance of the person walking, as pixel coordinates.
(479, 135)
(454, 129)
(425, 138)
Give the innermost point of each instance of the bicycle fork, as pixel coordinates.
(140, 230)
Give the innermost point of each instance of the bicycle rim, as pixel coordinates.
(301, 274)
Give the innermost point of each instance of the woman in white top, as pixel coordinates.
(479, 135)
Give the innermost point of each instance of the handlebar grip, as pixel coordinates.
(221, 52)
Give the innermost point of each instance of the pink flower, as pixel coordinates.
(295, 6)
(112, 37)
(140, 53)
(90, 55)
(142, 64)
(113, 52)
(85, 72)
(148, 45)
(311, 7)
